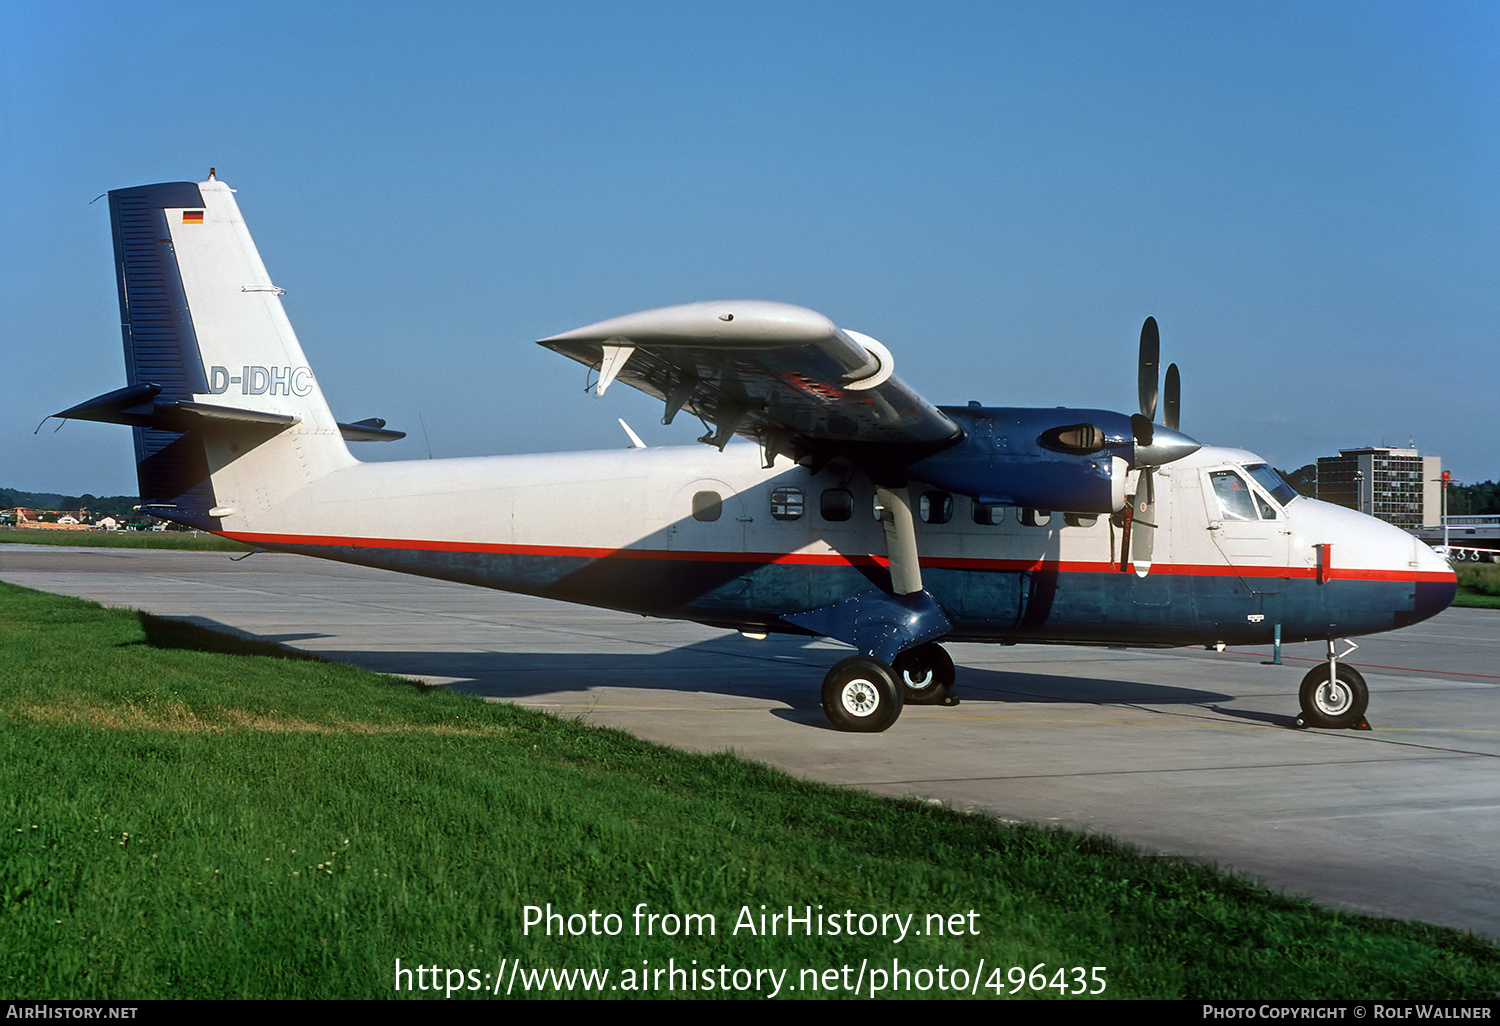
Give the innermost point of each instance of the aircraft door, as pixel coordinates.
(706, 537)
(707, 516)
(1247, 528)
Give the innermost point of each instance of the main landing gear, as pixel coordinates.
(860, 694)
(865, 695)
(1334, 695)
(926, 674)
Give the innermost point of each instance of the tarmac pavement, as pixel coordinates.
(1184, 752)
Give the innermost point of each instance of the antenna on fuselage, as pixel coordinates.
(635, 439)
(425, 440)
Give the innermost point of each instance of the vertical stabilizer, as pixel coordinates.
(203, 322)
(160, 346)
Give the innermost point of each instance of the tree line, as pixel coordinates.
(117, 506)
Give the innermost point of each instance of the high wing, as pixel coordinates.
(782, 375)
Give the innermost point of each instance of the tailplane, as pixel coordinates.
(228, 417)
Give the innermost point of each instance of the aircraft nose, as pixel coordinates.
(1360, 549)
(1437, 584)
(1428, 561)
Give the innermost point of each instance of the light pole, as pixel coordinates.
(1445, 478)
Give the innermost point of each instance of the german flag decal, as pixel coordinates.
(192, 217)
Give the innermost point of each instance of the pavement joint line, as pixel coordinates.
(1212, 772)
(1387, 811)
(1368, 736)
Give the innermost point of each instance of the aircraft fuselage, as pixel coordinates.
(690, 533)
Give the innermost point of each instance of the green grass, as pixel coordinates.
(122, 539)
(1478, 585)
(187, 814)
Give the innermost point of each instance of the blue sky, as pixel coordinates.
(1305, 195)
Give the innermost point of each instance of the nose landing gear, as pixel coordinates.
(1334, 695)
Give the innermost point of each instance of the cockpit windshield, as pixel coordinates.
(1272, 482)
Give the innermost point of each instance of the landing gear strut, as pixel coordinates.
(865, 693)
(926, 675)
(1334, 695)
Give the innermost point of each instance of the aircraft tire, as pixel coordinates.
(861, 695)
(1335, 706)
(926, 674)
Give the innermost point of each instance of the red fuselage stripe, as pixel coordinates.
(830, 559)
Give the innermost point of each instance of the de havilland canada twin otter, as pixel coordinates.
(863, 513)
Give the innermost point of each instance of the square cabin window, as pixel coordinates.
(988, 514)
(837, 505)
(935, 507)
(707, 506)
(786, 503)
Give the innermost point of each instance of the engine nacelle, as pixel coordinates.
(1061, 460)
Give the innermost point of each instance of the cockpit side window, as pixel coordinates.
(1234, 495)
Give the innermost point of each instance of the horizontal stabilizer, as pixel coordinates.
(121, 406)
(138, 406)
(372, 429)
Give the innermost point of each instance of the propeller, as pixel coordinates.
(1173, 402)
(1153, 447)
(1150, 367)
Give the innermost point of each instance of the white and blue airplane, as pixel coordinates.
(864, 513)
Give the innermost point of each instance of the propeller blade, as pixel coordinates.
(1150, 368)
(1143, 524)
(1173, 399)
(1142, 429)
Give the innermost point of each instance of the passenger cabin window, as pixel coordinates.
(837, 505)
(935, 507)
(1080, 519)
(1238, 500)
(988, 514)
(1035, 517)
(707, 506)
(786, 503)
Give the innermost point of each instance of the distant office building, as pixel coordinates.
(1400, 486)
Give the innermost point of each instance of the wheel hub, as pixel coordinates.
(1334, 698)
(860, 698)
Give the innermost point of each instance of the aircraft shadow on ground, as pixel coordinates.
(203, 635)
(781, 669)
